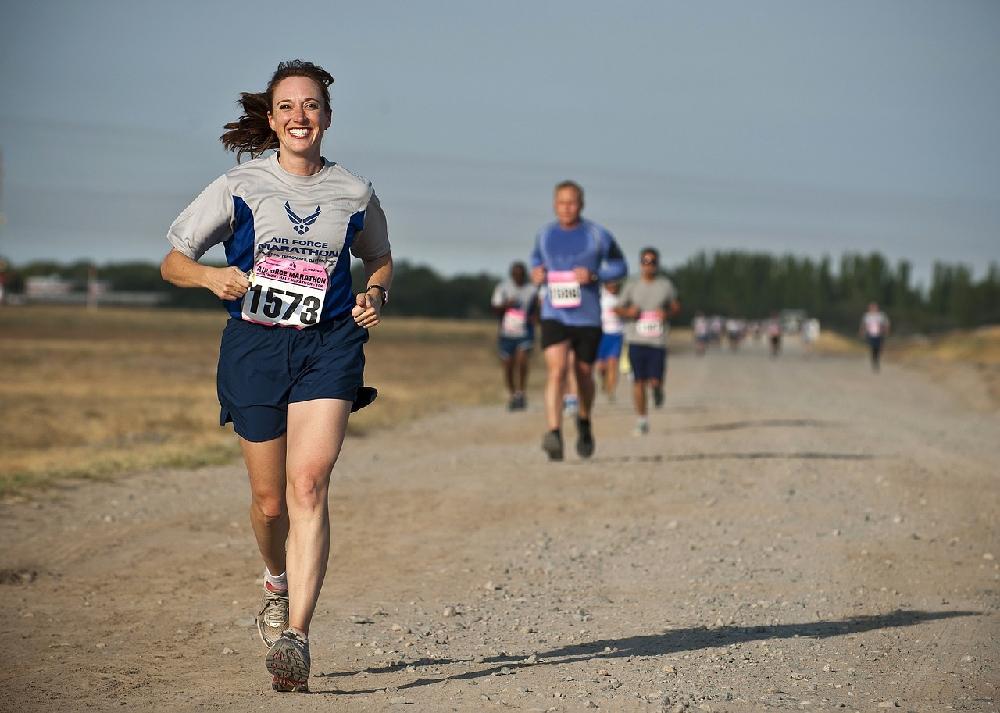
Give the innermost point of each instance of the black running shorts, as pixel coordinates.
(582, 340)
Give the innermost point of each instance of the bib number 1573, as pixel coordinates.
(285, 292)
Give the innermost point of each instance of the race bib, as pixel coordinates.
(564, 290)
(514, 324)
(649, 325)
(611, 323)
(285, 292)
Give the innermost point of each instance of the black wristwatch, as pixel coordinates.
(385, 293)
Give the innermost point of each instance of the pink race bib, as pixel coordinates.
(285, 292)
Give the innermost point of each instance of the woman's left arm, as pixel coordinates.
(367, 310)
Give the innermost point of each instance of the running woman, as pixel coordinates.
(875, 328)
(609, 351)
(647, 303)
(291, 362)
(515, 302)
(571, 257)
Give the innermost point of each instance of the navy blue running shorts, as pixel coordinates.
(648, 363)
(263, 369)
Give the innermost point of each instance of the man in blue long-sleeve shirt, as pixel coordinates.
(572, 256)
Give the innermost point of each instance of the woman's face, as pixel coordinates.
(298, 116)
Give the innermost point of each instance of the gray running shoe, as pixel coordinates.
(272, 619)
(288, 663)
(552, 444)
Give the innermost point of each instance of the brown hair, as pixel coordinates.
(252, 133)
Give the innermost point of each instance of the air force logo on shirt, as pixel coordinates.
(301, 225)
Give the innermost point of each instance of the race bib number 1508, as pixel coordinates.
(285, 292)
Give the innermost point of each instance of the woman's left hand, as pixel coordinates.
(367, 310)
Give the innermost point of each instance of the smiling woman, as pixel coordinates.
(291, 363)
(259, 129)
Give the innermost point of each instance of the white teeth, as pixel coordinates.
(299, 133)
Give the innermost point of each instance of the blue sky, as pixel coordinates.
(796, 126)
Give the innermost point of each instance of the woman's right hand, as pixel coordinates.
(227, 283)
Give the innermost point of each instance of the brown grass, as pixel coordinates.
(92, 394)
(966, 359)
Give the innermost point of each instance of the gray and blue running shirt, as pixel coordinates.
(258, 209)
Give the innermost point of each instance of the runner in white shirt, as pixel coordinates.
(515, 302)
(874, 327)
(610, 349)
(700, 329)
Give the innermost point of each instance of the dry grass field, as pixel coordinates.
(88, 394)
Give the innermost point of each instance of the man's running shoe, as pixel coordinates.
(658, 396)
(288, 663)
(641, 427)
(517, 402)
(272, 619)
(553, 445)
(570, 405)
(584, 439)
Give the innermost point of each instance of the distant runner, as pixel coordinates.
(610, 349)
(875, 328)
(774, 335)
(702, 335)
(515, 302)
(571, 256)
(647, 303)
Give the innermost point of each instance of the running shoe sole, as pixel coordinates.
(552, 445)
(288, 668)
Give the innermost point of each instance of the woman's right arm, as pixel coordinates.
(226, 283)
(207, 221)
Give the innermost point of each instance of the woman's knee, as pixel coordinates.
(270, 504)
(308, 488)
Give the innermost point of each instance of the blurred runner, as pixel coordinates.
(610, 349)
(809, 334)
(515, 302)
(875, 328)
(700, 328)
(647, 303)
(571, 256)
(774, 335)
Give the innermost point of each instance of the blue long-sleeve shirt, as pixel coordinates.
(586, 245)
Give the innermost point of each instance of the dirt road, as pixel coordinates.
(796, 534)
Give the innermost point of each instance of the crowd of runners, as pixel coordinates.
(291, 359)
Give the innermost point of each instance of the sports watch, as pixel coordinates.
(385, 293)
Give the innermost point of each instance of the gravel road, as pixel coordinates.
(793, 534)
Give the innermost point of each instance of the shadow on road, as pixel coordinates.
(667, 642)
(751, 455)
(757, 423)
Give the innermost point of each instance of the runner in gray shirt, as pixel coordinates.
(647, 303)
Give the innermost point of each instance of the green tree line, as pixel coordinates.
(747, 284)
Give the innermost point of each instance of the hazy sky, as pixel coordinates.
(796, 126)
